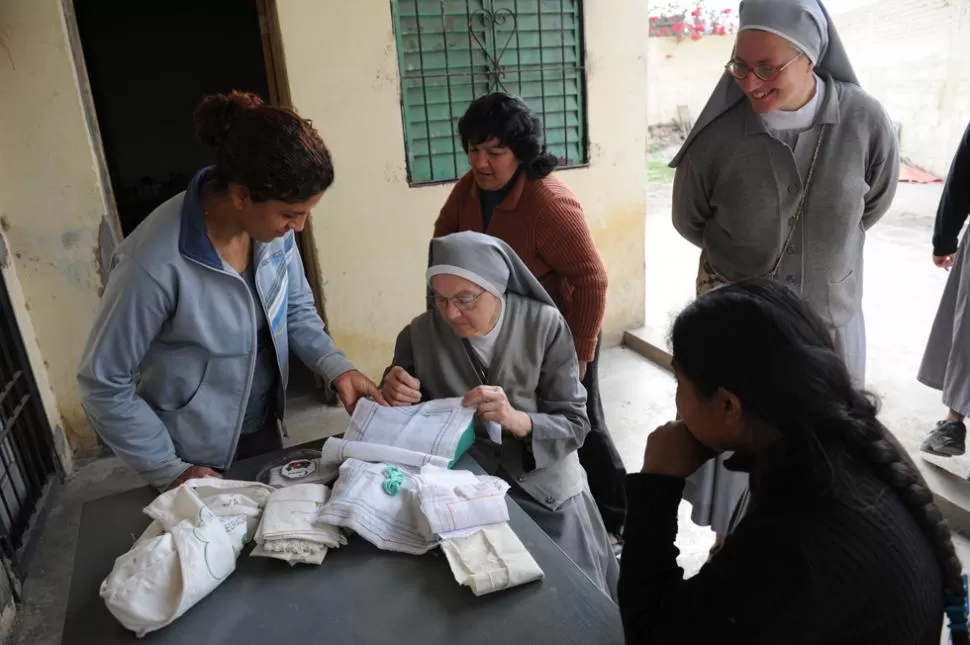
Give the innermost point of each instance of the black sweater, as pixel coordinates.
(849, 566)
(955, 202)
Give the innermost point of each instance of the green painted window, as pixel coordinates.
(453, 51)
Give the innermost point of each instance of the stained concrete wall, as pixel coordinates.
(913, 56)
(372, 229)
(51, 197)
(683, 73)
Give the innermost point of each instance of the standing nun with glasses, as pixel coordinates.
(788, 166)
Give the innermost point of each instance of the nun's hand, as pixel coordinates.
(353, 386)
(944, 261)
(673, 451)
(400, 388)
(492, 404)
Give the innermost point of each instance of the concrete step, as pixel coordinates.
(649, 343)
(950, 489)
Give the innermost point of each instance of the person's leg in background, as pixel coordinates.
(600, 458)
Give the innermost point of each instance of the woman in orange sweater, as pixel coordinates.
(510, 193)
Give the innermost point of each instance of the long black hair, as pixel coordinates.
(510, 120)
(762, 342)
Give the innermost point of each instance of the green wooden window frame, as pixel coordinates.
(450, 52)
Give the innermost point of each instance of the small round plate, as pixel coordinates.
(298, 468)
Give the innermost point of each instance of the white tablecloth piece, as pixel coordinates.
(198, 531)
(291, 530)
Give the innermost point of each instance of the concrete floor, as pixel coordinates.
(637, 395)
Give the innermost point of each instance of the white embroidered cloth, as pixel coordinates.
(433, 428)
(336, 450)
(390, 522)
(490, 559)
(290, 529)
(198, 531)
(458, 500)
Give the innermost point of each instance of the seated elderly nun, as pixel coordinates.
(496, 338)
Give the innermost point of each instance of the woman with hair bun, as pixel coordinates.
(511, 193)
(187, 364)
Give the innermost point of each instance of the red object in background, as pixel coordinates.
(912, 175)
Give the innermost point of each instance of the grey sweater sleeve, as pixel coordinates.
(560, 425)
(882, 175)
(307, 336)
(133, 309)
(691, 203)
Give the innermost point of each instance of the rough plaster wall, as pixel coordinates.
(51, 198)
(913, 56)
(683, 73)
(372, 229)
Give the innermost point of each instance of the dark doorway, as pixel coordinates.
(149, 64)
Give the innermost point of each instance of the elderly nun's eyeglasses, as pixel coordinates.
(462, 303)
(739, 70)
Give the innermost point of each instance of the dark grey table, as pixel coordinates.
(360, 595)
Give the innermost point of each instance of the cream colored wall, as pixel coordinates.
(36, 358)
(372, 229)
(51, 201)
(683, 73)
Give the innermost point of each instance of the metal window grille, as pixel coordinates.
(450, 52)
(27, 458)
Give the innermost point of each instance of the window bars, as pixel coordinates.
(450, 52)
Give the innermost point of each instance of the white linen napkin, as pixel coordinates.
(490, 559)
(454, 500)
(390, 522)
(291, 530)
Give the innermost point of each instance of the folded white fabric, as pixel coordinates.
(455, 500)
(335, 451)
(198, 531)
(290, 529)
(389, 521)
(434, 428)
(490, 559)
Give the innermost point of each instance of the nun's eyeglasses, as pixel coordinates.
(462, 303)
(740, 70)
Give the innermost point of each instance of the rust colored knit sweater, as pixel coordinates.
(543, 221)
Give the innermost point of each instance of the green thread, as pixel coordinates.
(200, 523)
(393, 480)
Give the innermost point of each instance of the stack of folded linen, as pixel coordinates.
(392, 522)
(490, 558)
(291, 528)
(471, 517)
(410, 510)
(457, 500)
